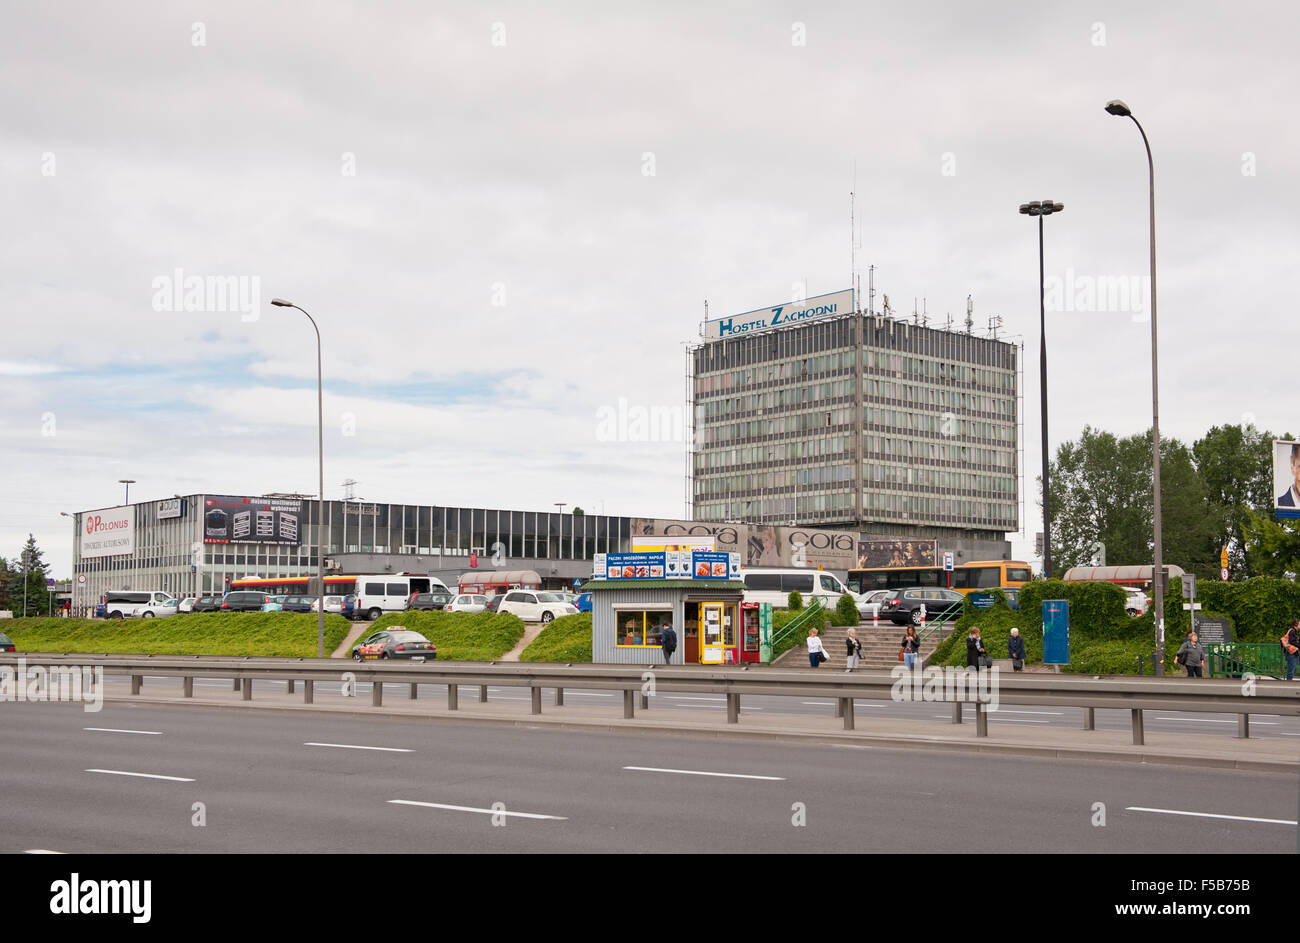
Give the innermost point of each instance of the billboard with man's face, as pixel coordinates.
(1286, 478)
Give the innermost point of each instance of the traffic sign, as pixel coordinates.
(1223, 574)
(947, 561)
(82, 579)
(1192, 605)
(1223, 558)
(49, 582)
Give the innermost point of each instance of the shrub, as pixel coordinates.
(1096, 609)
(846, 611)
(794, 602)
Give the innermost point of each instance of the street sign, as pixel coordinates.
(1223, 574)
(947, 561)
(473, 561)
(1223, 558)
(981, 600)
(49, 582)
(1189, 585)
(82, 579)
(1191, 605)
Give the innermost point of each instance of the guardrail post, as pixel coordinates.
(1089, 718)
(956, 712)
(733, 708)
(839, 707)
(248, 689)
(1139, 737)
(535, 698)
(981, 720)
(847, 711)
(308, 692)
(453, 697)
(234, 685)
(629, 703)
(290, 683)
(482, 693)
(136, 681)
(187, 687)
(415, 690)
(559, 697)
(645, 701)
(377, 693)
(1243, 726)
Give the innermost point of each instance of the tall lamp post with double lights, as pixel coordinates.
(320, 497)
(1041, 208)
(1121, 110)
(128, 482)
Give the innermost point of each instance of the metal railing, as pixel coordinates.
(813, 609)
(1234, 659)
(1136, 696)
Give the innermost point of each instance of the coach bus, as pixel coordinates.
(965, 577)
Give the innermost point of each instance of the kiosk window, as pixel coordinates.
(640, 628)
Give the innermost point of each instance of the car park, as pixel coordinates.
(344, 606)
(428, 602)
(905, 605)
(534, 606)
(390, 592)
(144, 604)
(395, 643)
(468, 602)
(185, 605)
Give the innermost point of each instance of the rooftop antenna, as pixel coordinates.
(949, 326)
(925, 311)
(887, 311)
(871, 290)
(970, 314)
(853, 234)
(349, 493)
(995, 323)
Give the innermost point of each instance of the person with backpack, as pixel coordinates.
(668, 642)
(854, 649)
(1192, 655)
(1291, 649)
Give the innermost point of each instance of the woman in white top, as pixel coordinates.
(815, 650)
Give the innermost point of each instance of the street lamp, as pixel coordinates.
(320, 497)
(1041, 208)
(128, 482)
(1121, 110)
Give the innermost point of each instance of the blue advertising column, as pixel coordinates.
(1056, 632)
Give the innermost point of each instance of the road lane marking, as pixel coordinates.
(1010, 721)
(43, 851)
(152, 733)
(354, 746)
(688, 697)
(698, 772)
(122, 772)
(1212, 815)
(466, 808)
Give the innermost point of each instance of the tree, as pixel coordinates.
(1272, 546)
(1236, 465)
(37, 598)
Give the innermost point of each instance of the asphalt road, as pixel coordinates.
(1261, 725)
(271, 782)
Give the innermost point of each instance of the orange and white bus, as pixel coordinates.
(965, 577)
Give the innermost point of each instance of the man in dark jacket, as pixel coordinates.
(974, 648)
(1016, 649)
(668, 643)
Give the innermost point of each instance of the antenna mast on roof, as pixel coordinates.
(970, 314)
(995, 323)
(871, 290)
(349, 493)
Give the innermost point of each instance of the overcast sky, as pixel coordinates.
(506, 217)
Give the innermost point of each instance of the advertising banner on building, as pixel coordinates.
(761, 544)
(1286, 478)
(228, 520)
(172, 507)
(897, 552)
(668, 564)
(108, 533)
(782, 315)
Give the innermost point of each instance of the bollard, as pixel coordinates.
(248, 689)
(981, 720)
(956, 712)
(1139, 737)
(482, 693)
(559, 697)
(308, 692)
(415, 690)
(1243, 726)
(1089, 718)
(536, 700)
(733, 708)
(629, 704)
(453, 697)
(187, 687)
(136, 681)
(377, 693)
(847, 711)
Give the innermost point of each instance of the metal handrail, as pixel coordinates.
(813, 609)
(938, 623)
(1232, 659)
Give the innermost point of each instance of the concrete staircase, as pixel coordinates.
(879, 646)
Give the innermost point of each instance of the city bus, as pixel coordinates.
(295, 585)
(981, 574)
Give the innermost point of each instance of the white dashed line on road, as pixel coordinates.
(698, 772)
(152, 733)
(354, 746)
(1212, 815)
(466, 808)
(122, 772)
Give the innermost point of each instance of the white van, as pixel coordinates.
(773, 585)
(388, 592)
(145, 604)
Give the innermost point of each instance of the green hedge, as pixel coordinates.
(460, 636)
(845, 612)
(277, 634)
(1261, 608)
(799, 637)
(567, 639)
(1096, 609)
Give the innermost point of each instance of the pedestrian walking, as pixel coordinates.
(975, 653)
(853, 649)
(911, 648)
(1016, 649)
(1192, 656)
(816, 653)
(1291, 649)
(668, 642)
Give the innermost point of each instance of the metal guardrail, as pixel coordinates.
(1166, 694)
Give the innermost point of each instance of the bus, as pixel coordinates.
(295, 585)
(377, 594)
(965, 577)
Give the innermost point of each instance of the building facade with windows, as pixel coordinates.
(858, 422)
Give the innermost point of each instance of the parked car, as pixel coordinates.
(495, 602)
(6, 643)
(185, 605)
(468, 602)
(1013, 596)
(535, 607)
(298, 603)
(273, 604)
(584, 603)
(428, 602)
(774, 585)
(346, 606)
(904, 605)
(206, 604)
(145, 604)
(869, 603)
(244, 601)
(401, 643)
(1136, 602)
(391, 592)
